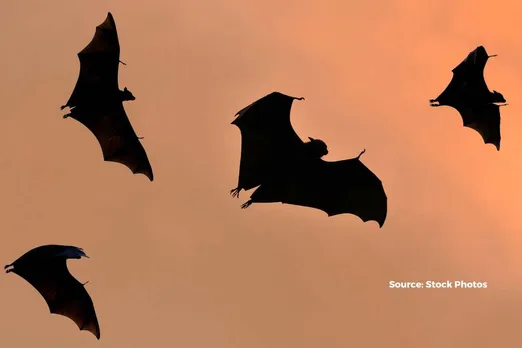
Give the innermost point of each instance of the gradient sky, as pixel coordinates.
(177, 263)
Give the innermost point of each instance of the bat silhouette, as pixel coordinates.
(45, 268)
(97, 101)
(285, 169)
(469, 95)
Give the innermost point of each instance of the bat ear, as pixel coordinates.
(125, 89)
(311, 139)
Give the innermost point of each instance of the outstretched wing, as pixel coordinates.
(268, 139)
(485, 119)
(63, 293)
(468, 84)
(119, 143)
(99, 63)
(339, 187)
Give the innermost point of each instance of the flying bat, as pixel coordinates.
(285, 169)
(97, 101)
(45, 268)
(470, 96)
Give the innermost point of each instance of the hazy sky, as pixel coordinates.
(177, 263)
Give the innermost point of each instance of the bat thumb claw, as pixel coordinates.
(363, 151)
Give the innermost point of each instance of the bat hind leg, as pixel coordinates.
(235, 192)
(246, 204)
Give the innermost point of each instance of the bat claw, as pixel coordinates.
(63, 107)
(65, 116)
(246, 204)
(7, 269)
(235, 192)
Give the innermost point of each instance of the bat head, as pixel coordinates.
(127, 95)
(317, 148)
(71, 252)
(498, 97)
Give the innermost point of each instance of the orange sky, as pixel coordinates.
(177, 263)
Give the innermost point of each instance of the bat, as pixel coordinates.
(97, 102)
(45, 268)
(285, 169)
(470, 96)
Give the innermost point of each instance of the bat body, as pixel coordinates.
(45, 268)
(97, 101)
(469, 95)
(285, 169)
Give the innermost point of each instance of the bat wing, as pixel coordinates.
(485, 119)
(63, 294)
(467, 84)
(268, 139)
(339, 187)
(99, 63)
(119, 143)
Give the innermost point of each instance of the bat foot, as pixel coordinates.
(247, 204)
(7, 269)
(66, 116)
(63, 107)
(433, 102)
(235, 192)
